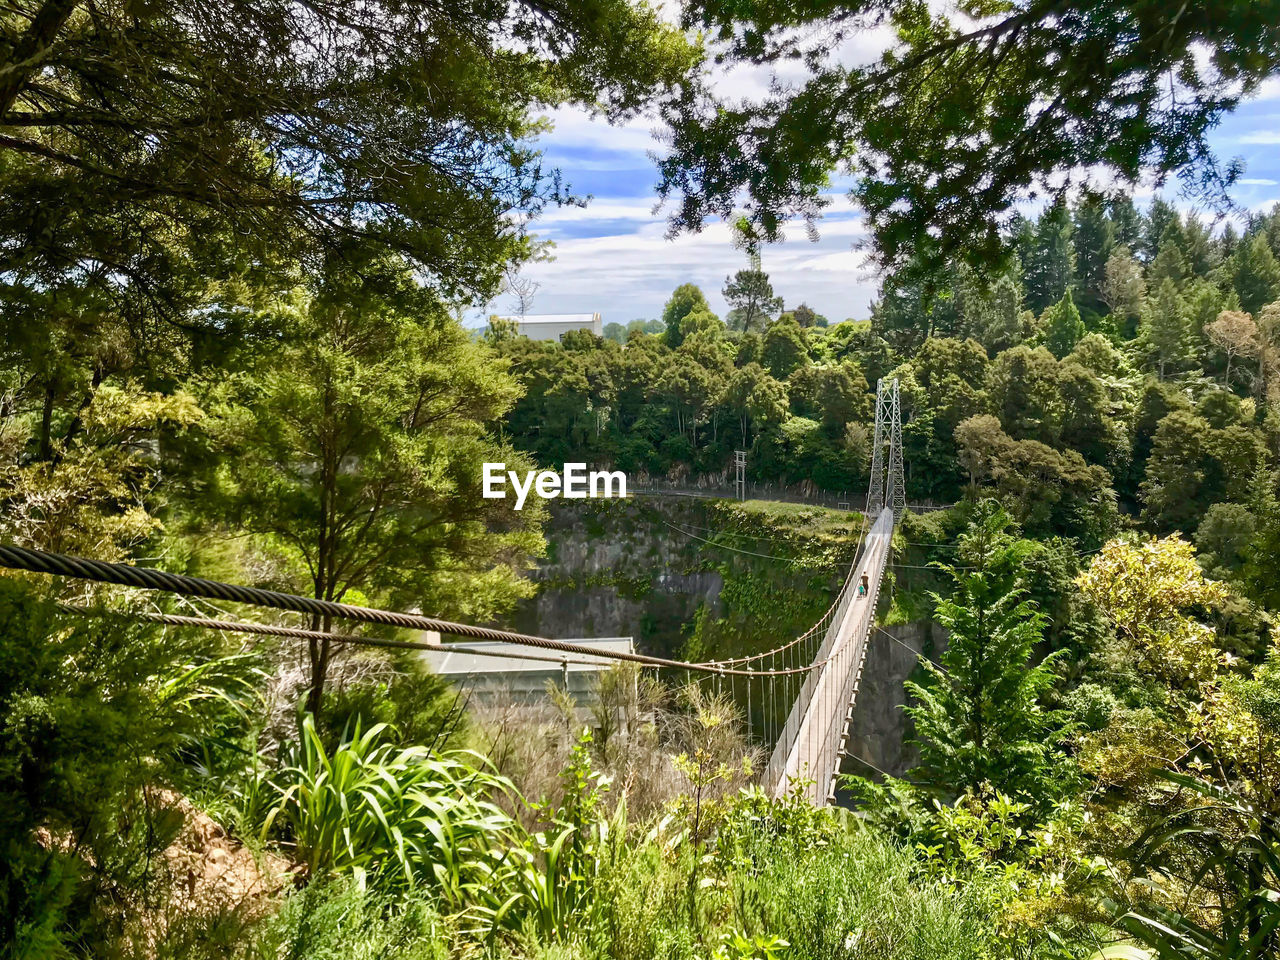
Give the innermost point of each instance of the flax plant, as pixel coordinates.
(396, 817)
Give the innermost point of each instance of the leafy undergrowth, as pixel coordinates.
(851, 896)
(401, 855)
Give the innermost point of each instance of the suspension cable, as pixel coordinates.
(297, 633)
(822, 623)
(147, 578)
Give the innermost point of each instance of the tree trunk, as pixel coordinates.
(324, 575)
(46, 424)
(319, 656)
(78, 420)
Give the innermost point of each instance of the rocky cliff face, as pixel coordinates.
(614, 569)
(879, 729)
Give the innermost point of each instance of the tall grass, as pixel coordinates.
(858, 897)
(337, 920)
(391, 816)
(832, 891)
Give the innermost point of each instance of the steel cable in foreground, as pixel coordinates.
(297, 633)
(147, 578)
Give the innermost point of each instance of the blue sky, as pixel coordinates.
(613, 256)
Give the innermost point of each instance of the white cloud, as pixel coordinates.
(1256, 182)
(598, 210)
(1262, 137)
(1269, 89)
(575, 127)
(630, 274)
(840, 220)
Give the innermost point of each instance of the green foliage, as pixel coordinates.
(413, 706)
(1256, 273)
(342, 919)
(395, 817)
(93, 712)
(1094, 240)
(856, 896)
(84, 481)
(1222, 537)
(355, 451)
(1164, 331)
(834, 894)
(1082, 416)
(549, 885)
(168, 161)
(1032, 870)
(734, 946)
(1263, 552)
(978, 716)
(1062, 326)
(784, 348)
(1225, 854)
(223, 313)
(1196, 870)
(686, 299)
(1049, 259)
(752, 303)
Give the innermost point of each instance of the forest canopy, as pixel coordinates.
(974, 107)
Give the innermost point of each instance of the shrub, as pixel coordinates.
(396, 816)
(416, 707)
(338, 920)
(93, 713)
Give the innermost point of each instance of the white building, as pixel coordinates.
(550, 326)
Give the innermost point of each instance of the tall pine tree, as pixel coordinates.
(1257, 274)
(1126, 222)
(1164, 331)
(979, 715)
(1094, 239)
(1159, 218)
(1049, 264)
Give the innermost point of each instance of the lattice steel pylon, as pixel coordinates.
(897, 483)
(875, 492)
(887, 491)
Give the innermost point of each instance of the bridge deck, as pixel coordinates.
(810, 746)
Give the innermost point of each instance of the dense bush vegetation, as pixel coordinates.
(237, 240)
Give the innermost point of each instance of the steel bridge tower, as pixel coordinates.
(875, 492)
(887, 491)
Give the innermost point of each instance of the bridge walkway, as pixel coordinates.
(812, 740)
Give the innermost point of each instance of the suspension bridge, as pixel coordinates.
(817, 673)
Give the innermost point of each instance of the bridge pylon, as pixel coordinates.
(887, 487)
(875, 491)
(897, 483)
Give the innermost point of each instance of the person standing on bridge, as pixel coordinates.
(862, 587)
